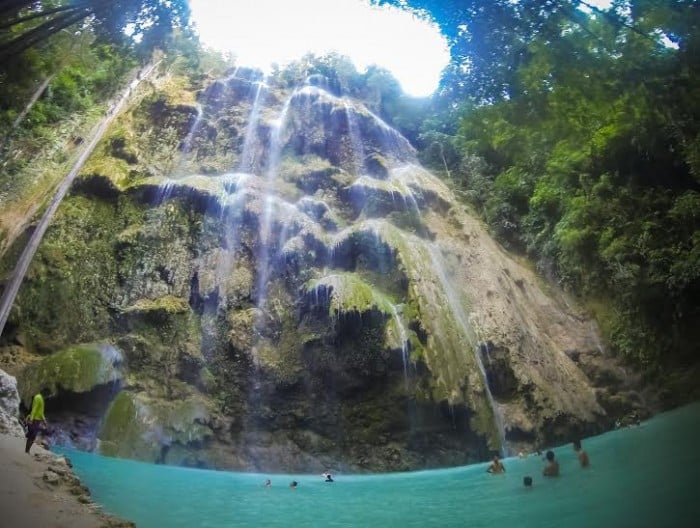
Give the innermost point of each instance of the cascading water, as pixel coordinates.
(194, 128)
(12, 288)
(403, 337)
(456, 307)
(358, 154)
(275, 152)
(273, 206)
(247, 159)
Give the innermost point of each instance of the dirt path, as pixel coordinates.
(40, 490)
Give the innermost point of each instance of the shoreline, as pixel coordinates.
(41, 489)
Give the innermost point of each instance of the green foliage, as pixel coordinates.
(579, 143)
(139, 23)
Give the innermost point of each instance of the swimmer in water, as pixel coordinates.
(293, 484)
(268, 483)
(582, 455)
(496, 466)
(551, 469)
(527, 482)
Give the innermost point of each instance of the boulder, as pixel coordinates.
(78, 369)
(9, 405)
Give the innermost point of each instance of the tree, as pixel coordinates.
(587, 125)
(28, 23)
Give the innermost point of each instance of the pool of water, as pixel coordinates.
(644, 476)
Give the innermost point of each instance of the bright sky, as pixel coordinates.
(260, 32)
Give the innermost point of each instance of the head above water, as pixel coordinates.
(527, 482)
(550, 455)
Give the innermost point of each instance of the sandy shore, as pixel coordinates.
(41, 490)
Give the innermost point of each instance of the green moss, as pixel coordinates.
(483, 422)
(136, 426)
(346, 292)
(121, 431)
(377, 165)
(389, 191)
(131, 234)
(67, 293)
(77, 369)
(431, 303)
(311, 173)
(207, 380)
(416, 347)
(168, 304)
(242, 327)
(117, 170)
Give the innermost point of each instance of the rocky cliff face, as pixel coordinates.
(9, 405)
(283, 286)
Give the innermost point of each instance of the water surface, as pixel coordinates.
(645, 476)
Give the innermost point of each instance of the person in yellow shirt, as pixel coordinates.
(36, 421)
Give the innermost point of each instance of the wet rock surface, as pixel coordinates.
(291, 290)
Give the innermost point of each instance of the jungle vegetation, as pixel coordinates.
(575, 133)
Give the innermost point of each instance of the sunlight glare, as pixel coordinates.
(262, 32)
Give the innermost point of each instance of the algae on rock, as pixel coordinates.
(78, 369)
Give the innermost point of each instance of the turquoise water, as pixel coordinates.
(641, 476)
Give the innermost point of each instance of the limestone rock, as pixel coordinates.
(9, 405)
(51, 478)
(78, 369)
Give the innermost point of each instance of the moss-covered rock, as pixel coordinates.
(137, 426)
(380, 197)
(242, 328)
(77, 369)
(344, 293)
(166, 305)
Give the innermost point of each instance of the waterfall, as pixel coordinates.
(275, 152)
(457, 309)
(194, 128)
(404, 343)
(391, 140)
(12, 288)
(358, 150)
(247, 162)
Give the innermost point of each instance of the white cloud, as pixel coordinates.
(260, 32)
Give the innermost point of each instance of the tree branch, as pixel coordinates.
(39, 14)
(41, 32)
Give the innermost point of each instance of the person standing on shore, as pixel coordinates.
(36, 420)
